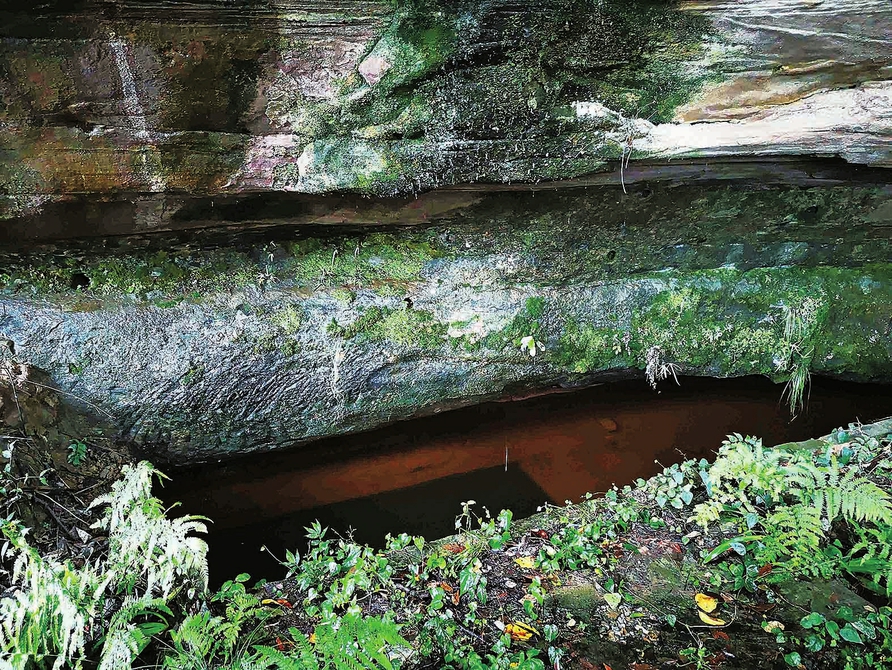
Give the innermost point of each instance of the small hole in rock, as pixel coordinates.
(79, 280)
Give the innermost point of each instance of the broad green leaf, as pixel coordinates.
(832, 628)
(849, 634)
(812, 620)
(613, 599)
(793, 659)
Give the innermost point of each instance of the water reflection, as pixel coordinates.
(412, 477)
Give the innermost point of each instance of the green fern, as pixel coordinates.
(303, 650)
(871, 558)
(793, 536)
(353, 642)
(797, 497)
(50, 609)
(862, 500)
(157, 552)
(54, 603)
(268, 657)
(203, 640)
(125, 640)
(745, 474)
(836, 494)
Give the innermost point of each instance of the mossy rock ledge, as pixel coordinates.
(164, 101)
(234, 342)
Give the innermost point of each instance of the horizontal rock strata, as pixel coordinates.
(236, 341)
(125, 99)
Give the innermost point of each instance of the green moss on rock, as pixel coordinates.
(726, 322)
(405, 327)
(379, 257)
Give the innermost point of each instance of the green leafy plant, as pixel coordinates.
(481, 531)
(870, 558)
(203, 641)
(821, 495)
(165, 552)
(44, 622)
(674, 486)
(879, 653)
(77, 453)
(336, 572)
(351, 642)
(795, 497)
(151, 560)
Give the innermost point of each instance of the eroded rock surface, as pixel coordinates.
(243, 341)
(124, 99)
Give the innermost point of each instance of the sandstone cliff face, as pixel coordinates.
(242, 174)
(144, 102)
(252, 340)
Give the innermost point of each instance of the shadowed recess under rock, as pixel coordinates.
(208, 345)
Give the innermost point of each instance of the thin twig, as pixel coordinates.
(622, 178)
(11, 501)
(56, 502)
(15, 395)
(73, 395)
(70, 533)
(472, 633)
(91, 442)
(77, 493)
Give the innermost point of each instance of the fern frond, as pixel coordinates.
(51, 608)
(268, 657)
(144, 545)
(862, 500)
(872, 557)
(354, 642)
(794, 532)
(303, 651)
(120, 649)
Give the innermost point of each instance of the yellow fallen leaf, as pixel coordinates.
(520, 632)
(710, 621)
(706, 603)
(526, 562)
(312, 638)
(771, 626)
(278, 601)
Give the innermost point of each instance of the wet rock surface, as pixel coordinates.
(235, 342)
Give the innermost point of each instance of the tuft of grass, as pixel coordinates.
(796, 389)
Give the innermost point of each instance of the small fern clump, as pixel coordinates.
(46, 617)
(56, 606)
(352, 642)
(203, 640)
(871, 558)
(145, 547)
(744, 476)
(797, 497)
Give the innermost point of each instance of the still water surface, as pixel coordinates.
(412, 477)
